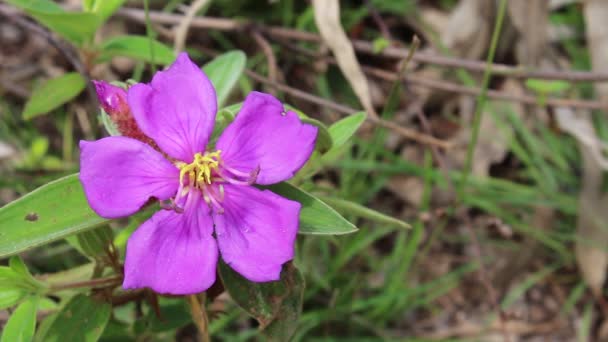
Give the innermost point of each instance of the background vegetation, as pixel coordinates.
(499, 170)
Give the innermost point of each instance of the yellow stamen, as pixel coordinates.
(199, 172)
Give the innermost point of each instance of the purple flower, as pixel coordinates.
(214, 207)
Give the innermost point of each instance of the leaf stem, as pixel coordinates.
(98, 282)
(481, 99)
(150, 34)
(199, 315)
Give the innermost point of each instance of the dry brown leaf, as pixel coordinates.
(530, 18)
(493, 144)
(592, 232)
(327, 18)
(596, 12)
(6, 151)
(467, 33)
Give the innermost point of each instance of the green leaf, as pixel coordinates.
(22, 323)
(344, 129)
(275, 305)
(87, 5)
(47, 214)
(44, 327)
(92, 243)
(81, 319)
(103, 8)
(41, 5)
(107, 123)
(316, 217)
(53, 94)
(224, 72)
(324, 141)
(12, 279)
(136, 47)
(10, 297)
(175, 314)
(359, 210)
(18, 266)
(76, 27)
(547, 86)
(379, 44)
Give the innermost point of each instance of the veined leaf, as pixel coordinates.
(81, 319)
(103, 8)
(48, 213)
(53, 94)
(22, 323)
(276, 305)
(547, 87)
(365, 212)
(92, 243)
(316, 217)
(224, 72)
(136, 47)
(344, 129)
(10, 297)
(77, 27)
(340, 132)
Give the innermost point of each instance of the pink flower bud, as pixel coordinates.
(114, 102)
(113, 99)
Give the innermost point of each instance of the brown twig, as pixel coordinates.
(449, 86)
(270, 58)
(199, 315)
(181, 30)
(421, 57)
(386, 33)
(403, 131)
(493, 94)
(98, 282)
(223, 24)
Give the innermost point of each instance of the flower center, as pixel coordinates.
(200, 172)
(207, 173)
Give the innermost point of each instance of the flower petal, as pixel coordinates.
(120, 174)
(264, 136)
(256, 232)
(173, 253)
(177, 109)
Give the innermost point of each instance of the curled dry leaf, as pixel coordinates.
(467, 33)
(530, 20)
(6, 151)
(592, 235)
(327, 18)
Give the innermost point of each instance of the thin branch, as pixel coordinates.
(199, 315)
(403, 131)
(181, 31)
(98, 282)
(223, 24)
(386, 33)
(449, 86)
(270, 58)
